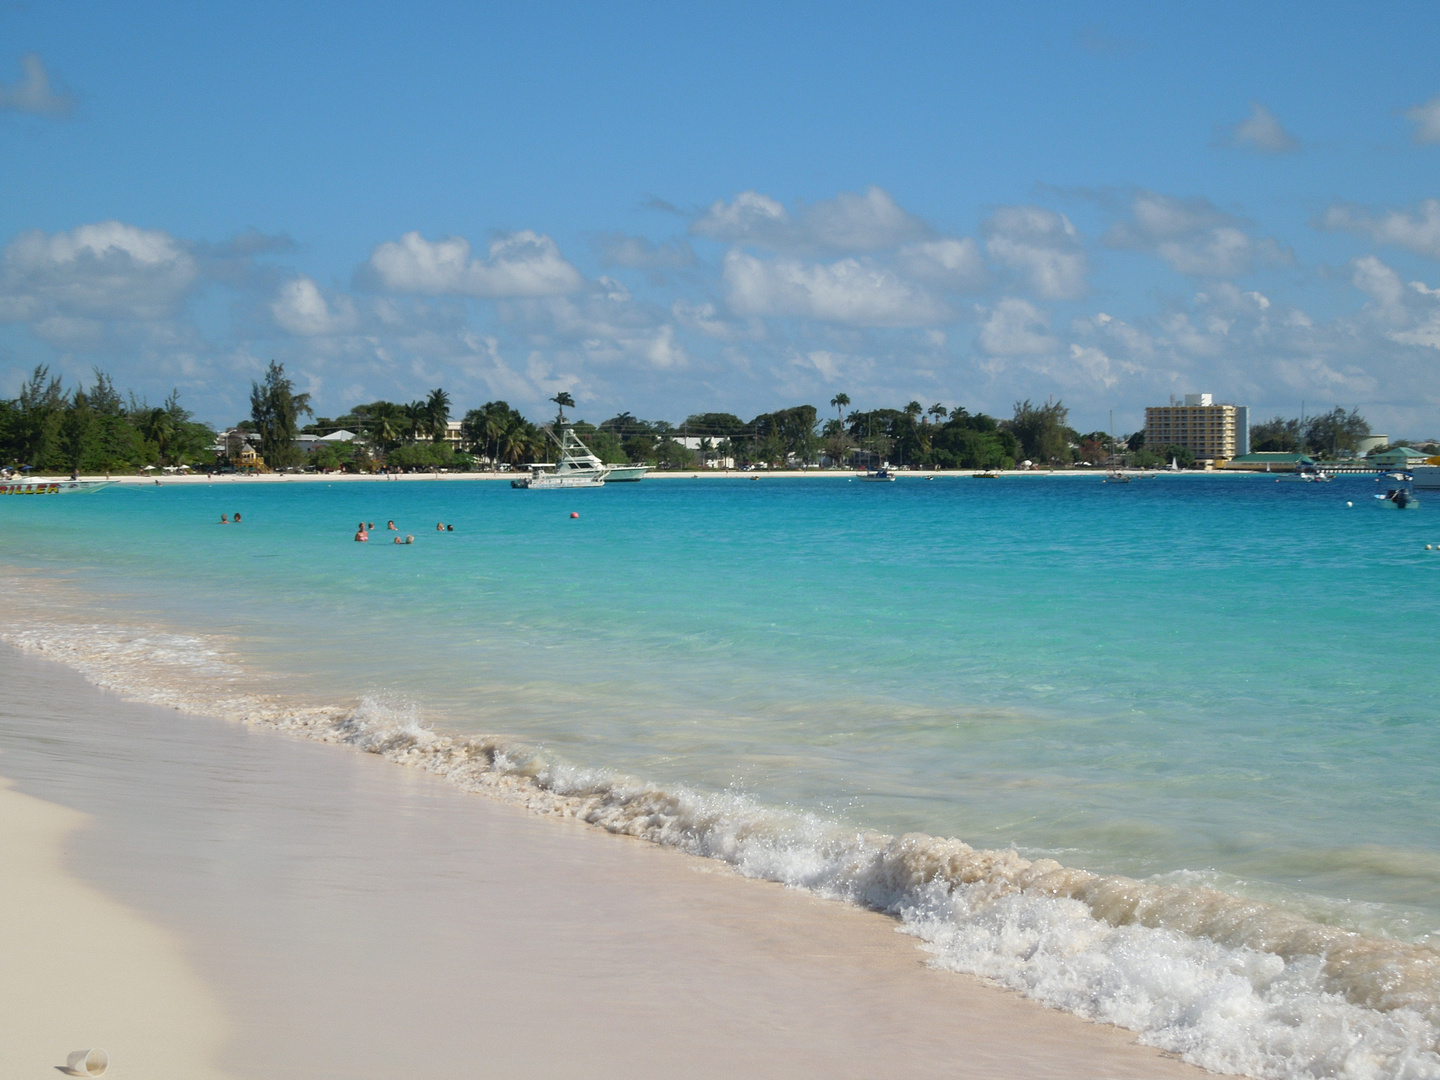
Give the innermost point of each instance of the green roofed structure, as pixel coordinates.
(1270, 462)
(1398, 457)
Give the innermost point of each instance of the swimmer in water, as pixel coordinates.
(360, 534)
(224, 520)
(449, 528)
(398, 540)
(439, 526)
(237, 518)
(392, 526)
(408, 538)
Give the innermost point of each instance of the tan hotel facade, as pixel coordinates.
(1209, 431)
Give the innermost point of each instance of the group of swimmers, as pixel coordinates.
(362, 534)
(226, 521)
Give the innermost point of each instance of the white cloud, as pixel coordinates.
(303, 309)
(1426, 119)
(518, 264)
(33, 92)
(1043, 246)
(1016, 327)
(1194, 236)
(107, 270)
(638, 253)
(951, 263)
(848, 291)
(1262, 131)
(867, 222)
(1417, 230)
(1408, 314)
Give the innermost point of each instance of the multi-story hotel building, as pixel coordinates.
(1207, 430)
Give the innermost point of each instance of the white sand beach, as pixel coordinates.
(203, 899)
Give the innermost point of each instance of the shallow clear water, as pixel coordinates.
(1228, 677)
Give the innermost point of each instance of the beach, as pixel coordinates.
(700, 727)
(237, 903)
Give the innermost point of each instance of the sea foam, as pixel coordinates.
(1230, 984)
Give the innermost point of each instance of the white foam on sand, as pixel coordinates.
(1229, 984)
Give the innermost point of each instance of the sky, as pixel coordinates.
(669, 209)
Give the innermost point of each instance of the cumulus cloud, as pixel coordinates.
(106, 270)
(1409, 313)
(301, 308)
(848, 291)
(1042, 246)
(1417, 230)
(1016, 327)
(1262, 132)
(32, 93)
(518, 264)
(867, 222)
(950, 263)
(1426, 119)
(1193, 236)
(638, 253)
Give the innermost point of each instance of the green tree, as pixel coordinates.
(1041, 431)
(562, 401)
(437, 414)
(276, 408)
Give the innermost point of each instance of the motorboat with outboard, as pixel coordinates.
(1399, 498)
(881, 475)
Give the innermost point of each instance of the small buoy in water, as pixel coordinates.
(1349, 504)
(574, 514)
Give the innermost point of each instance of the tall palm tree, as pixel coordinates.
(562, 401)
(840, 401)
(437, 413)
(938, 411)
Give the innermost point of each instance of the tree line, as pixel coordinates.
(93, 429)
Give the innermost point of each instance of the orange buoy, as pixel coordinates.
(573, 514)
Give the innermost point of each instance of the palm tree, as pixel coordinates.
(437, 413)
(938, 411)
(562, 401)
(840, 401)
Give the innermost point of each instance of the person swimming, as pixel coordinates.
(409, 539)
(439, 526)
(392, 526)
(224, 520)
(237, 517)
(449, 528)
(360, 534)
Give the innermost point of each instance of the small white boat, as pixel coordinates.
(1399, 498)
(578, 467)
(17, 486)
(881, 475)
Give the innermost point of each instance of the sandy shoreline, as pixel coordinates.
(354, 918)
(165, 479)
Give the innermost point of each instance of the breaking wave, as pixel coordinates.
(1229, 984)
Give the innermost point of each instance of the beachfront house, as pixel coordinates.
(1398, 457)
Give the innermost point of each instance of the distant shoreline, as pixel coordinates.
(697, 474)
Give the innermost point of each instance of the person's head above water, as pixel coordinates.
(237, 517)
(224, 520)
(391, 524)
(449, 528)
(439, 526)
(409, 539)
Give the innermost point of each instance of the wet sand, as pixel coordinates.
(340, 916)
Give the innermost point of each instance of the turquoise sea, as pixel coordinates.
(1223, 688)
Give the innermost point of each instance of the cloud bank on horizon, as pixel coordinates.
(760, 297)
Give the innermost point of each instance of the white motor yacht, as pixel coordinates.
(578, 467)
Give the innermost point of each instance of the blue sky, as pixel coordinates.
(683, 208)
